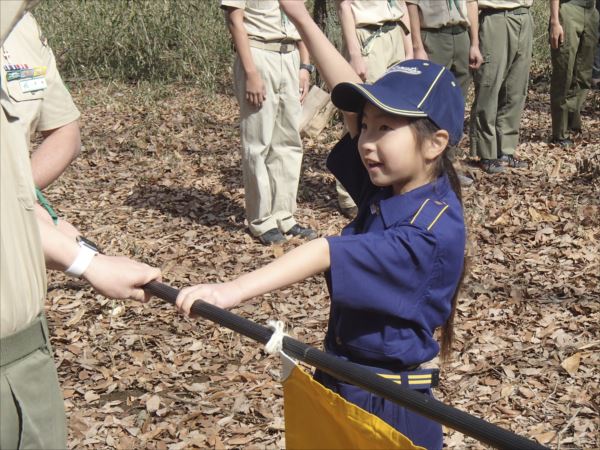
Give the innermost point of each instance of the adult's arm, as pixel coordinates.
(255, 87)
(304, 77)
(475, 58)
(557, 34)
(419, 51)
(407, 37)
(112, 276)
(58, 149)
(333, 68)
(346, 17)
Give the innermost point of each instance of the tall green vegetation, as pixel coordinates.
(168, 40)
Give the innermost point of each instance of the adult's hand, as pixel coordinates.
(256, 92)
(557, 35)
(304, 84)
(120, 277)
(359, 65)
(475, 58)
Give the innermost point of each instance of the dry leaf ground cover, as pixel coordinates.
(160, 180)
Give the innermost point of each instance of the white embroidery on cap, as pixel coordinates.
(404, 69)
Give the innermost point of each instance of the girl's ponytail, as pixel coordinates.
(422, 130)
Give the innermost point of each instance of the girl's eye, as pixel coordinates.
(363, 126)
(384, 128)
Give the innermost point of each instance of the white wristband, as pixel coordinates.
(82, 261)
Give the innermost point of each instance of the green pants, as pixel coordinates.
(32, 414)
(506, 39)
(450, 50)
(572, 66)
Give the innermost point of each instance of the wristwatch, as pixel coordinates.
(87, 251)
(308, 67)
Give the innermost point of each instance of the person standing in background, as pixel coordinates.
(448, 34)
(573, 38)
(376, 36)
(271, 77)
(506, 43)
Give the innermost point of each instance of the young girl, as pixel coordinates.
(393, 274)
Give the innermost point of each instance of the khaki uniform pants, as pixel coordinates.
(572, 66)
(271, 143)
(382, 52)
(501, 83)
(32, 414)
(452, 51)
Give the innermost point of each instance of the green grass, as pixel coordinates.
(161, 41)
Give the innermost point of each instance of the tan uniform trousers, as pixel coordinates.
(271, 143)
(32, 414)
(381, 52)
(506, 39)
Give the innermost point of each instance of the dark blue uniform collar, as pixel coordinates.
(398, 208)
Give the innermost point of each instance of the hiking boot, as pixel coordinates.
(464, 180)
(514, 163)
(491, 166)
(302, 232)
(349, 213)
(562, 142)
(273, 236)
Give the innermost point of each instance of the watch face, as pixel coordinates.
(88, 243)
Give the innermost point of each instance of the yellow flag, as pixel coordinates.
(317, 418)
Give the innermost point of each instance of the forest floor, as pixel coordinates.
(160, 180)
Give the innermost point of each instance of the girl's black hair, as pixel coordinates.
(423, 129)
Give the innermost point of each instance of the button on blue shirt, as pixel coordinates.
(394, 269)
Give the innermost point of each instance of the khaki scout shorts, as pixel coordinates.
(32, 414)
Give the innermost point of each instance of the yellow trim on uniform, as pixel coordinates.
(420, 376)
(389, 376)
(398, 382)
(419, 211)
(431, 87)
(403, 112)
(419, 382)
(437, 217)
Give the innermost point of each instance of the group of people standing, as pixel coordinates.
(487, 41)
(395, 273)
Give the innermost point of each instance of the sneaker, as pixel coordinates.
(349, 213)
(273, 236)
(464, 180)
(562, 142)
(302, 232)
(491, 166)
(514, 163)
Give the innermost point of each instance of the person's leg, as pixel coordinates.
(32, 413)
(494, 38)
(439, 47)
(596, 70)
(514, 90)
(582, 77)
(285, 159)
(563, 64)
(256, 132)
(460, 61)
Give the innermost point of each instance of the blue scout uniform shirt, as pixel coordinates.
(394, 269)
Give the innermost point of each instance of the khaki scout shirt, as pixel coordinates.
(441, 13)
(503, 4)
(375, 12)
(48, 107)
(264, 20)
(22, 267)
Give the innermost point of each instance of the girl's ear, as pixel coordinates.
(435, 145)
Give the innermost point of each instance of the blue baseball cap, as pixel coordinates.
(412, 88)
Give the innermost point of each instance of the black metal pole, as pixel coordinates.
(415, 401)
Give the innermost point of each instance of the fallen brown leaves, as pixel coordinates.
(160, 180)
